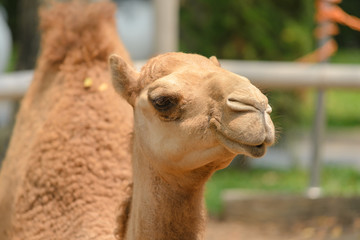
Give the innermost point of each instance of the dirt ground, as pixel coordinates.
(319, 229)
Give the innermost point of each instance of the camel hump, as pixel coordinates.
(74, 32)
(74, 15)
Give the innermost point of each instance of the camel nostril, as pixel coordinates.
(238, 102)
(239, 106)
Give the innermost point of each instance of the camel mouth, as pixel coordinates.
(237, 147)
(250, 148)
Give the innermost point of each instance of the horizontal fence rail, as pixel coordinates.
(272, 75)
(14, 85)
(296, 75)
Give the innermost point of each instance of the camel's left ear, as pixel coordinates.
(124, 78)
(215, 61)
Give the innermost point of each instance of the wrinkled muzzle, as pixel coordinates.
(245, 126)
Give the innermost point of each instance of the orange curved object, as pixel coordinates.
(329, 29)
(322, 53)
(328, 14)
(336, 14)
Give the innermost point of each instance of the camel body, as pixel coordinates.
(67, 170)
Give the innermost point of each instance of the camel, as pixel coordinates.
(191, 117)
(68, 174)
(67, 171)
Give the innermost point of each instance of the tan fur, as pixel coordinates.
(67, 169)
(191, 118)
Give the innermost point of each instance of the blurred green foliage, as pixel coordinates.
(247, 29)
(256, 29)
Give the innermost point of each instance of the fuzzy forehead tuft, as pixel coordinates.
(168, 63)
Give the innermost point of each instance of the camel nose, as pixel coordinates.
(248, 100)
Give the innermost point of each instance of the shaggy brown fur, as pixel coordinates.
(68, 167)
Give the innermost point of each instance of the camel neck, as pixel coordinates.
(163, 210)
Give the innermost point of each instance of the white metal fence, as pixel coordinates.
(271, 75)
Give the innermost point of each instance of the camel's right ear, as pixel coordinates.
(124, 78)
(215, 61)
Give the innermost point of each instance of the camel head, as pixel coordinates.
(189, 112)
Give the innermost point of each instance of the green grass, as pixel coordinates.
(335, 181)
(342, 108)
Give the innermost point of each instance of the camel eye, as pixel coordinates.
(164, 103)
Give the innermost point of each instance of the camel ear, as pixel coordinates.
(215, 61)
(124, 78)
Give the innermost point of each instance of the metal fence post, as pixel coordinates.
(319, 125)
(167, 25)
